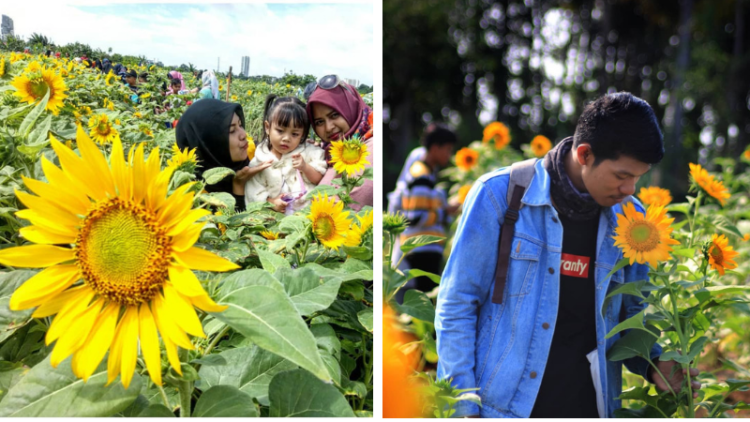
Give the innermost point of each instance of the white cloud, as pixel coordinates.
(316, 39)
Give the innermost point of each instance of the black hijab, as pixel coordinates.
(205, 127)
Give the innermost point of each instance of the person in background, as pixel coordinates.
(131, 79)
(143, 77)
(424, 204)
(208, 80)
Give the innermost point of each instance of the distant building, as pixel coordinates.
(245, 66)
(6, 27)
(352, 82)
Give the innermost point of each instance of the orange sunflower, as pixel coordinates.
(462, 192)
(499, 132)
(644, 238)
(654, 195)
(466, 158)
(540, 145)
(708, 183)
(720, 254)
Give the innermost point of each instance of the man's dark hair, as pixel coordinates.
(438, 134)
(620, 124)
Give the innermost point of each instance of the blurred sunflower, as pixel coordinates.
(349, 156)
(655, 195)
(708, 183)
(330, 223)
(353, 235)
(14, 57)
(746, 154)
(181, 157)
(101, 129)
(250, 148)
(34, 66)
(2, 66)
(720, 254)
(540, 145)
(401, 396)
(110, 79)
(109, 104)
(462, 192)
(137, 114)
(250, 92)
(644, 238)
(499, 132)
(365, 222)
(466, 158)
(269, 235)
(124, 274)
(32, 87)
(234, 98)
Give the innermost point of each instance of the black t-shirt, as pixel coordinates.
(567, 389)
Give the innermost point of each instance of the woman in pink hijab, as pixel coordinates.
(177, 75)
(337, 111)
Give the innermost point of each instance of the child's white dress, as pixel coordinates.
(281, 176)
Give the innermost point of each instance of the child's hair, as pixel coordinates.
(438, 134)
(285, 111)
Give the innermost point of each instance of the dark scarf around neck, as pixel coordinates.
(567, 199)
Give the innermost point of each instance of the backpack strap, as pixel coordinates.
(521, 174)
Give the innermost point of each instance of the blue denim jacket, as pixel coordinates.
(497, 347)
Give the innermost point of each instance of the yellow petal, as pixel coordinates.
(76, 334)
(172, 356)
(45, 284)
(95, 159)
(115, 353)
(45, 222)
(55, 304)
(129, 344)
(79, 171)
(157, 191)
(150, 343)
(185, 282)
(75, 204)
(205, 303)
(88, 357)
(166, 324)
(176, 205)
(38, 235)
(186, 221)
(187, 238)
(51, 210)
(35, 256)
(182, 311)
(120, 174)
(69, 312)
(61, 182)
(202, 260)
(140, 182)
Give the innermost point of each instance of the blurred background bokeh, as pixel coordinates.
(534, 64)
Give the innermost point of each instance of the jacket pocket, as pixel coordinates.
(524, 263)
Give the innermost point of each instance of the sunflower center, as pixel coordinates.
(122, 253)
(644, 236)
(716, 254)
(102, 128)
(351, 154)
(38, 88)
(324, 227)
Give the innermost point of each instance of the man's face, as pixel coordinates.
(611, 181)
(442, 153)
(130, 80)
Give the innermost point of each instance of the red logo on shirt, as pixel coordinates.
(575, 265)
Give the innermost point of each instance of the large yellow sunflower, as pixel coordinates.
(708, 183)
(720, 254)
(540, 145)
(32, 87)
(499, 132)
(654, 195)
(466, 158)
(330, 222)
(101, 129)
(644, 238)
(117, 254)
(349, 156)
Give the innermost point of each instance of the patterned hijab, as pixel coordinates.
(348, 104)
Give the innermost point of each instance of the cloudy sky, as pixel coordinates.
(307, 38)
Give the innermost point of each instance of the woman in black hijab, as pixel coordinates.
(217, 131)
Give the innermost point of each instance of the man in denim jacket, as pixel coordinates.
(532, 354)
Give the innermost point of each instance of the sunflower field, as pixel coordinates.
(697, 292)
(128, 290)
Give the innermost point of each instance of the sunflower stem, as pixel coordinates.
(186, 389)
(697, 205)
(164, 397)
(390, 255)
(215, 341)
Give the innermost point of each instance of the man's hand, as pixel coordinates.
(675, 380)
(298, 162)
